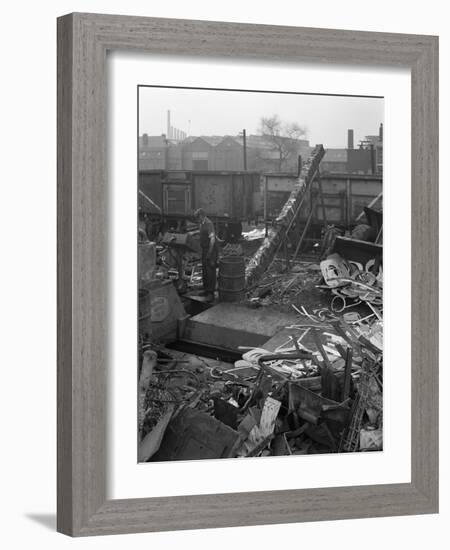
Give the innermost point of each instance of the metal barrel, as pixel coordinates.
(231, 279)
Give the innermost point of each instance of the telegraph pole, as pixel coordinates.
(244, 139)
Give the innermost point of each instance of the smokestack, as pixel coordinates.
(372, 158)
(168, 125)
(381, 132)
(145, 140)
(349, 139)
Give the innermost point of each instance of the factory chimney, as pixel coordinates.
(350, 143)
(381, 132)
(169, 134)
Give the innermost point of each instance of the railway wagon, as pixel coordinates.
(344, 196)
(227, 197)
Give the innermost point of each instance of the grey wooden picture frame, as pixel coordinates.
(83, 42)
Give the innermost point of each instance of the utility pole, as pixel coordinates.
(244, 139)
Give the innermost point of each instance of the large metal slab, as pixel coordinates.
(230, 325)
(194, 435)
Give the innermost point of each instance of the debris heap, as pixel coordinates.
(263, 257)
(318, 392)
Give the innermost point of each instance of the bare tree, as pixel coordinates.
(283, 136)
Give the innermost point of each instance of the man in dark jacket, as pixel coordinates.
(209, 248)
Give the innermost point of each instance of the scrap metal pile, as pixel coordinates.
(352, 283)
(286, 289)
(263, 257)
(317, 386)
(320, 391)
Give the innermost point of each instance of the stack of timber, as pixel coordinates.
(263, 257)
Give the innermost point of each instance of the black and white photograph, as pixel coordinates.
(223, 225)
(260, 251)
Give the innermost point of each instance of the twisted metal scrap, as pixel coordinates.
(263, 257)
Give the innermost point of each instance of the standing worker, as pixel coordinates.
(208, 245)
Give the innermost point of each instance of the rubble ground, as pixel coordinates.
(315, 387)
(309, 377)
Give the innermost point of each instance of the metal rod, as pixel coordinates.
(324, 212)
(370, 205)
(348, 373)
(299, 244)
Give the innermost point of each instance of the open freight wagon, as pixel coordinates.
(171, 197)
(344, 196)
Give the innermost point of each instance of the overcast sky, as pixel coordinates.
(212, 112)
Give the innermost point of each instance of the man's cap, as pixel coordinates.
(199, 212)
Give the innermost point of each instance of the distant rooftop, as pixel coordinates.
(152, 141)
(253, 141)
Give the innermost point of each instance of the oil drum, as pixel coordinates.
(231, 279)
